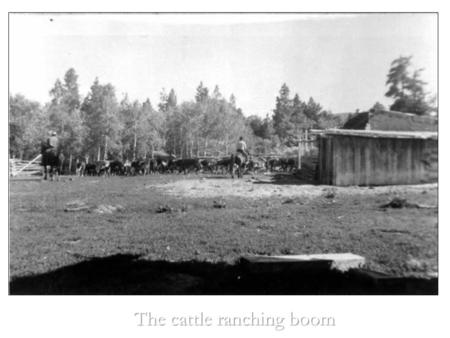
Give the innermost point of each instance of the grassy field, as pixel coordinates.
(260, 215)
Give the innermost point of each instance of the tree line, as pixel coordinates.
(99, 126)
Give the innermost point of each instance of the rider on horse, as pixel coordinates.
(241, 147)
(50, 155)
(52, 142)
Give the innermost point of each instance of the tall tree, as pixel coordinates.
(407, 91)
(299, 118)
(313, 109)
(163, 104)
(282, 114)
(233, 100)
(216, 93)
(172, 99)
(202, 93)
(397, 77)
(99, 111)
(27, 127)
(71, 91)
(64, 115)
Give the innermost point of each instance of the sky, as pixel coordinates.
(341, 60)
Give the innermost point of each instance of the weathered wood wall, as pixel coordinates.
(356, 160)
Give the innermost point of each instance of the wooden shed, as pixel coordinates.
(364, 157)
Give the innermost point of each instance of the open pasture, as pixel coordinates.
(201, 219)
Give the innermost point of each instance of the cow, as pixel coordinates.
(103, 168)
(80, 166)
(222, 165)
(256, 164)
(273, 164)
(116, 168)
(208, 165)
(186, 165)
(90, 169)
(162, 165)
(288, 164)
(127, 167)
(151, 167)
(137, 167)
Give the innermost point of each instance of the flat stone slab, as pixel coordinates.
(332, 261)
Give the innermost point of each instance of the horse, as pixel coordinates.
(237, 161)
(51, 161)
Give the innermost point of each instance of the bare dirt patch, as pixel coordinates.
(269, 186)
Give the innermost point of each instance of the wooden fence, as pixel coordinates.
(25, 168)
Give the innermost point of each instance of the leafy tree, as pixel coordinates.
(299, 118)
(397, 77)
(216, 93)
(378, 107)
(27, 127)
(407, 90)
(163, 105)
(71, 97)
(313, 109)
(172, 99)
(64, 115)
(260, 127)
(282, 114)
(99, 112)
(326, 120)
(202, 93)
(154, 128)
(233, 100)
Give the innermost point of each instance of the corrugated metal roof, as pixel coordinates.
(378, 133)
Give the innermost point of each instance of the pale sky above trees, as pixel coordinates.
(340, 60)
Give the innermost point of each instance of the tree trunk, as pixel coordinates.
(206, 145)
(98, 154)
(105, 154)
(198, 147)
(70, 163)
(135, 141)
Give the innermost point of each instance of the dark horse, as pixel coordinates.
(237, 162)
(51, 161)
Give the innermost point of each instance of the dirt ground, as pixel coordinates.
(214, 219)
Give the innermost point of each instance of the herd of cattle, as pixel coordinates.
(186, 165)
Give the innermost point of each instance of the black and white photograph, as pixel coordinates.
(223, 153)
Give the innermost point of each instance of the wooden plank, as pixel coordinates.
(337, 147)
(356, 161)
(367, 163)
(330, 261)
(330, 160)
(409, 161)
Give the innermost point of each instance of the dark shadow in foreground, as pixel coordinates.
(129, 275)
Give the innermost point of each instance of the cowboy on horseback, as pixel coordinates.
(239, 160)
(241, 147)
(50, 156)
(52, 142)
